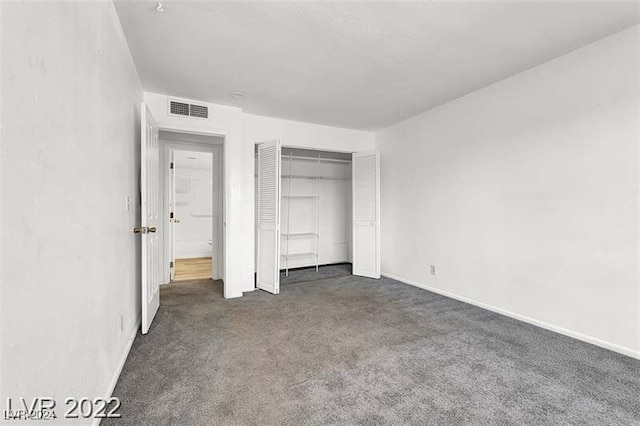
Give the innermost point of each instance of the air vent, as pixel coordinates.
(198, 111)
(188, 110)
(178, 108)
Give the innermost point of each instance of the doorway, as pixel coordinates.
(192, 215)
(192, 206)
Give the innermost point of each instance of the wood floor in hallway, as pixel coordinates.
(197, 268)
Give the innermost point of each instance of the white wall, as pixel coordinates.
(305, 135)
(70, 156)
(242, 131)
(525, 195)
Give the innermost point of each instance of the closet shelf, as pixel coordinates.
(300, 235)
(293, 255)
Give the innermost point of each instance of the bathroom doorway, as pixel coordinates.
(193, 207)
(193, 213)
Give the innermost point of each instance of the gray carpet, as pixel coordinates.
(350, 350)
(303, 275)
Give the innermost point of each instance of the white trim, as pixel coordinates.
(314, 148)
(185, 129)
(594, 341)
(123, 360)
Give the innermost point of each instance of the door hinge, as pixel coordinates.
(171, 165)
(170, 264)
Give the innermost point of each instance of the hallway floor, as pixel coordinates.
(354, 350)
(197, 268)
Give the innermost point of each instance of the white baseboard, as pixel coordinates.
(123, 359)
(594, 341)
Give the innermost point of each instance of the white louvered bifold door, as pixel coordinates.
(366, 214)
(268, 264)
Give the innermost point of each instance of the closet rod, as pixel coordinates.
(298, 157)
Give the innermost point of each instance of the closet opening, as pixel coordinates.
(305, 223)
(315, 215)
(192, 201)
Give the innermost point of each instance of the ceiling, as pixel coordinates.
(193, 160)
(361, 65)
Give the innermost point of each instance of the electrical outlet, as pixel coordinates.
(121, 324)
(432, 268)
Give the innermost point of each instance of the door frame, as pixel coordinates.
(203, 142)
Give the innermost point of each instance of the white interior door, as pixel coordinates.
(150, 220)
(268, 264)
(366, 214)
(172, 214)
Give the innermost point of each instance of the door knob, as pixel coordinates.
(144, 229)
